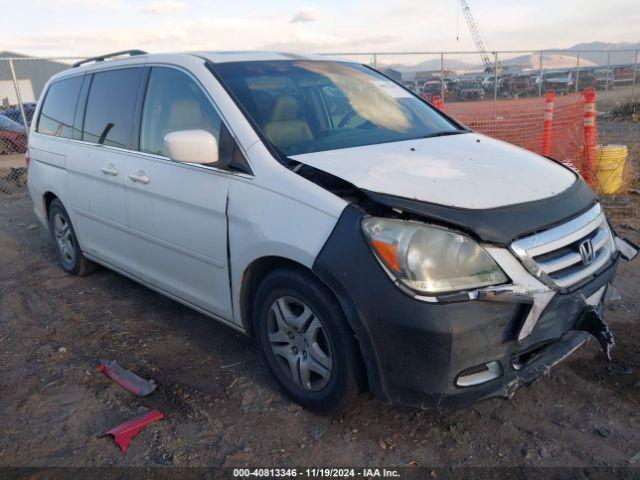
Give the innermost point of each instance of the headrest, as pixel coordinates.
(286, 109)
(185, 114)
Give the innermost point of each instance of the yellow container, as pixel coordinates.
(610, 161)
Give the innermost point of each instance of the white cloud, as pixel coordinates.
(306, 15)
(222, 33)
(57, 4)
(162, 7)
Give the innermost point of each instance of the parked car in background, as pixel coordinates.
(420, 84)
(561, 82)
(470, 91)
(450, 85)
(433, 88)
(410, 85)
(623, 75)
(13, 137)
(586, 79)
(604, 78)
(15, 114)
(487, 82)
(516, 86)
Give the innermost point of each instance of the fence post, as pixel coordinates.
(540, 77)
(547, 130)
(18, 96)
(375, 61)
(589, 136)
(442, 75)
(606, 84)
(577, 71)
(495, 84)
(633, 85)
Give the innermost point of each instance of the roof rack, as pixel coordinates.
(102, 58)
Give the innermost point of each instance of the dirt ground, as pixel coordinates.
(222, 407)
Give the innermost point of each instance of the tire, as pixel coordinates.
(292, 292)
(66, 242)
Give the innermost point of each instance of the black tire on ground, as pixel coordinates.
(75, 264)
(342, 386)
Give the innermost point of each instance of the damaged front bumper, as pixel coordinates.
(498, 346)
(455, 350)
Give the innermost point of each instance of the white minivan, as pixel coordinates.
(364, 238)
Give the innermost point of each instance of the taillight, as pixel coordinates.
(27, 158)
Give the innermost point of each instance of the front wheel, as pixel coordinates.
(305, 340)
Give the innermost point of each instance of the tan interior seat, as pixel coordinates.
(185, 115)
(285, 128)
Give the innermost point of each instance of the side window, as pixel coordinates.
(174, 102)
(56, 115)
(110, 106)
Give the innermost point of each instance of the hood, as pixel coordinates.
(469, 171)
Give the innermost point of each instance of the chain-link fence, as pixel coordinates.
(519, 73)
(503, 98)
(22, 80)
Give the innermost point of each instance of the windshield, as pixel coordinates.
(310, 106)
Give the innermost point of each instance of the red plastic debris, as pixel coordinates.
(126, 379)
(124, 433)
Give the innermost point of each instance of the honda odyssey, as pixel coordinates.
(365, 239)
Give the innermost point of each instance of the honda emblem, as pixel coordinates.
(586, 252)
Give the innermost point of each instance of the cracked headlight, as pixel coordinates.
(431, 259)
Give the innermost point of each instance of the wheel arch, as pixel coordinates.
(252, 276)
(47, 198)
(255, 273)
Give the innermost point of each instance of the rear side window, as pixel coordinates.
(174, 102)
(56, 115)
(110, 107)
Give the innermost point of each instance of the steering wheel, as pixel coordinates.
(347, 118)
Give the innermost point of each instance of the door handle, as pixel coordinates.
(110, 170)
(139, 177)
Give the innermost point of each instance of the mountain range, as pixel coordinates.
(599, 53)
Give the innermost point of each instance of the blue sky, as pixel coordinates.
(86, 27)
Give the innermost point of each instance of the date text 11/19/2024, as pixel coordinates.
(316, 472)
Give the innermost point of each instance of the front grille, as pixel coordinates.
(554, 255)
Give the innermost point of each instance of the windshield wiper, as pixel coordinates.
(445, 133)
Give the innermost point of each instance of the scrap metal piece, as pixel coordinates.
(124, 433)
(591, 322)
(628, 250)
(126, 379)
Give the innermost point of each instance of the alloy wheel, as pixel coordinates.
(299, 343)
(64, 238)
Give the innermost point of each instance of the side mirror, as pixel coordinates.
(191, 146)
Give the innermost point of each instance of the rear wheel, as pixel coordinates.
(66, 242)
(305, 340)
